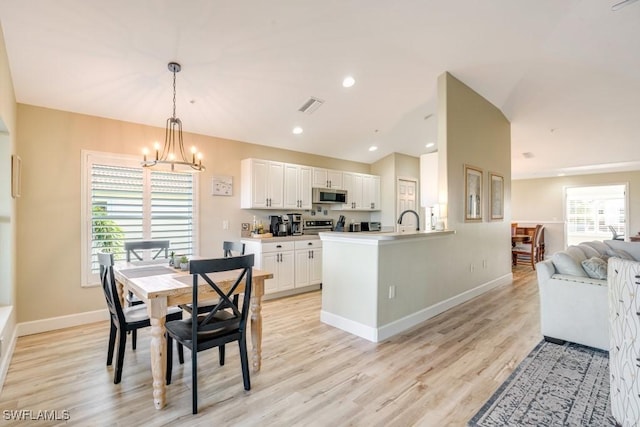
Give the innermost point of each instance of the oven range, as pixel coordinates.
(315, 226)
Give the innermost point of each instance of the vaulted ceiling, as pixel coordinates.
(566, 73)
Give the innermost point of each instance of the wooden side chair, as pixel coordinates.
(133, 251)
(529, 253)
(127, 319)
(224, 323)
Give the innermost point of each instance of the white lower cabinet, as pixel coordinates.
(308, 262)
(294, 264)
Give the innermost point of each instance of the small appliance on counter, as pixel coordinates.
(340, 224)
(354, 226)
(315, 226)
(279, 225)
(295, 224)
(370, 226)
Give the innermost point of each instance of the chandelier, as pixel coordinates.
(172, 157)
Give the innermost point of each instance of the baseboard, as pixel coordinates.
(408, 322)
(290, 292)
(61, 322)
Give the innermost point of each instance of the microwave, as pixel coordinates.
(329, 195)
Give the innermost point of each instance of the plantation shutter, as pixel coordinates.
(126, 202)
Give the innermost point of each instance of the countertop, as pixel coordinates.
(282, 238)
(383, 235)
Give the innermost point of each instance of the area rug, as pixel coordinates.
(555, 385)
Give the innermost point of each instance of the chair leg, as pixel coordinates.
(194, 379)
(134, 338)
(221, 354)
(169, 359)
(122, 343)
(181, 353)
(244, 361)
(112, 343)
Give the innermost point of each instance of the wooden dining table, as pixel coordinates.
(161, 286)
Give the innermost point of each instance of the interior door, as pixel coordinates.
(407, 199)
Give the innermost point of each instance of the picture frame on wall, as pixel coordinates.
(222, 185)
(496, 188)
(473, 194)
(16, 176)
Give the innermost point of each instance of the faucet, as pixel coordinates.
(413, 212)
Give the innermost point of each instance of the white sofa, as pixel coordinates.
(574, 293)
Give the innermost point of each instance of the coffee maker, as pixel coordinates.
(279, 225)
(295, 224)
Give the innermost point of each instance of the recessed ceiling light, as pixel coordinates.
(429, 145)
(297, 130)
(373, 148)
(348, 81)
(562, 174)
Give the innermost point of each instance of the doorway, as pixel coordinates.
(407, 199)
(591, 212)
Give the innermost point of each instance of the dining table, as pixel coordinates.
(520, 238)
(160, 286)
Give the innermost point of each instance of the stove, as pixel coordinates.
(315, 226)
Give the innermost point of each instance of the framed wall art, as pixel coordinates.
(472, 194)
(222, 185)
(496, 188)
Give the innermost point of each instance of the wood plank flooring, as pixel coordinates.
(438, 374)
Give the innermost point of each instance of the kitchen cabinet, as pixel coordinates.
(363, 191)
(308, 268)
(262, 184)
(277, 258)
(327, 178)
(297, 186)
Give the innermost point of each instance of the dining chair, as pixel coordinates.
(614, 233)
(228, 248)
(529, 253)
(127, 319)
(133, 250)
(225, 323)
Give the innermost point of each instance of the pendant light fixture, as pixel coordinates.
(172, 157)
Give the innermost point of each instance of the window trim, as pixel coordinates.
(87, 279)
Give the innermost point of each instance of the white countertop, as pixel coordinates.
(282, 238)
(383, 235)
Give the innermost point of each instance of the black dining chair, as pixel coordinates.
(225, 323)
(230, 249)
(133, 251)
(127, 319)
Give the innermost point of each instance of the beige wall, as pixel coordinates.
(50, 143)
(476, 133)
(541, 201)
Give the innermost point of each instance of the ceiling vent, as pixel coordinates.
(311, 105)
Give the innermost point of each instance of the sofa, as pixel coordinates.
(574, 293)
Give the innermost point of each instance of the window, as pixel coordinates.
(122, 201)
(591, 210)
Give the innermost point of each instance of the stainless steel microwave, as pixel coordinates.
(329, 195)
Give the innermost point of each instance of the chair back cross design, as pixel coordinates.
(132, 247)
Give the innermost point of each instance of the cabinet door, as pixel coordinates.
(269, 263)
(259, 183)
(275, 185)
(291, 199)
(335, 178)
(315, 267)
(347, 184)
(320, 178)
(357, 191)
(286, 271)
(375, 193)
(302, 267)
(304, 187)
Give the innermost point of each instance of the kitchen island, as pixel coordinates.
(376, 285)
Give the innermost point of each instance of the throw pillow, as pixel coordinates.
(576, 253)
(566, 264)
(595, 267)
(598, 245)
(589, 251)
(619, 253)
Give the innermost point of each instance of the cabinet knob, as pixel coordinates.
(278, 246)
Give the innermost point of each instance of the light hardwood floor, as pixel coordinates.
(438, 374)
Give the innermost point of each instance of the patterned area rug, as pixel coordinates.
(555, 385)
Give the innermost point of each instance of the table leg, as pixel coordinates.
(256, 324)
(157, 309)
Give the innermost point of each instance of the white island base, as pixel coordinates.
(376, 285)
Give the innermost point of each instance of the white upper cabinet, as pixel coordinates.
(327, 178)
(262, 184)
(363, 191)
(297, 186)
